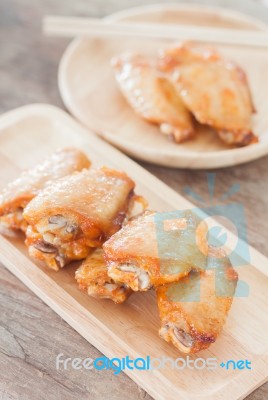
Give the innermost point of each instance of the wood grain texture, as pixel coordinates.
(90, 92)
(28, 73)
(131, 329)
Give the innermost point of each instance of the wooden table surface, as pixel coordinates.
(31, 334)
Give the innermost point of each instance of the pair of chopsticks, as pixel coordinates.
(73, 26)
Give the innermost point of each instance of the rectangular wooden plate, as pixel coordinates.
(29, 133)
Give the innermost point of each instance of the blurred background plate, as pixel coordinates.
(90, 93)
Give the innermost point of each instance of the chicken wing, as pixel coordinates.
(193, 310)
(149, 251)
(92, 276)
(215, 90)
(153, 96)
(76, 213)
(20, 192)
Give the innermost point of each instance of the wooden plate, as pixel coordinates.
(131, 328)
(89, 91)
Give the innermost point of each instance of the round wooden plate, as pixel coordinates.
(89, 90)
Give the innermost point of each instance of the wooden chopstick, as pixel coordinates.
(74, 26)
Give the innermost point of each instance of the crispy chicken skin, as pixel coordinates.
(147, 252)
(193, 310)
(92, 276)
(76, 213)
(20, 192)
(215, 90)
(153, 95)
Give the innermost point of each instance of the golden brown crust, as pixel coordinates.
(185, 53)
(153, 95)
(95, 198)
(135, 253)
(20, 192)
(216, 91)
(195, 309)
(76, 213)
(92, 276)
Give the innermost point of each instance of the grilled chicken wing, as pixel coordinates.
(20, 192)
(150, 251)
(153, 96)
(216, 91)
(193, 310)
(92, 276)
(76, 213)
